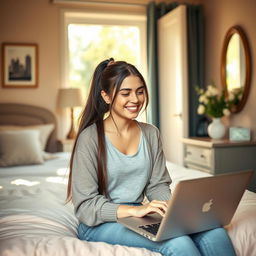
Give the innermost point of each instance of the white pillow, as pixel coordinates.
(20, 148)
(44, 129)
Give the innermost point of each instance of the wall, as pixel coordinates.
(219, 17)
(34, 22)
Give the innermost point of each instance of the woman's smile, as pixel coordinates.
(133, 109)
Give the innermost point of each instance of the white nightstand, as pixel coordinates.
(67, 145)
(220, 156)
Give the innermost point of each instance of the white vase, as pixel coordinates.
(216, 129)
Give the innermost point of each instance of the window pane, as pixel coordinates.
(90, 44)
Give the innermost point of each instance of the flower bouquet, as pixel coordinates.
(214, 104)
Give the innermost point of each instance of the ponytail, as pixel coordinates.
(94, 112)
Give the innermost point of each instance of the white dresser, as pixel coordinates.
(220, 156)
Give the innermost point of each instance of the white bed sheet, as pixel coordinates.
(34, 219)
(46, 225)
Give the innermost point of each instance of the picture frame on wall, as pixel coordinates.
(20, 65)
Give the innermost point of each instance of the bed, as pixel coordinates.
(34, 219)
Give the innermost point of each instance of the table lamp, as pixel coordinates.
(70, 97)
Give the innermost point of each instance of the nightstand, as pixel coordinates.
(220, 156)
(67, 145)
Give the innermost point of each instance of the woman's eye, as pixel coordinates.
(125, 94)
(140, 92)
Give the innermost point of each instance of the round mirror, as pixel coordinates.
(236, 68)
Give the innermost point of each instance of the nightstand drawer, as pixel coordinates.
(199, 156)
(220, 156)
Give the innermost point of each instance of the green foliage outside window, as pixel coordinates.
(90, 44)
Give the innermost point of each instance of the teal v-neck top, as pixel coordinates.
(127, 174)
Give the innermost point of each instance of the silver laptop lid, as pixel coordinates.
(196, 205)
(202, 204)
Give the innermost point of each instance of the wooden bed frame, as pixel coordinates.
(23, 114)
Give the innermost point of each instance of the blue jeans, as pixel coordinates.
(213, 242)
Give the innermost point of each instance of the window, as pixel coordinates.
(92, 37)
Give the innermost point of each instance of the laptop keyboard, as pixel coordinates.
(151, 228)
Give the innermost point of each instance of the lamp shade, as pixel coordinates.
(70, 97)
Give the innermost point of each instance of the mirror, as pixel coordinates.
(236, 68)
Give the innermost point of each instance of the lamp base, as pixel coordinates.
(72, 133)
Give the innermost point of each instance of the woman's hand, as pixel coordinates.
(154, 206)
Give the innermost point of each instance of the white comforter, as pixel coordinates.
(34, 219)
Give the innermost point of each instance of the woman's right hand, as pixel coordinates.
(154, 206)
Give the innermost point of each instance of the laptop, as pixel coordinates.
(196, 205)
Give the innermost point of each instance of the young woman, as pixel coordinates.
(117, 161)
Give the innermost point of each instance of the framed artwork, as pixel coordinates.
(20, 65)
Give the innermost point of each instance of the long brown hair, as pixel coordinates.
(108, 76)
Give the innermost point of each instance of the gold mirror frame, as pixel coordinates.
(230, 33)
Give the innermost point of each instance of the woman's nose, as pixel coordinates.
(134, 97)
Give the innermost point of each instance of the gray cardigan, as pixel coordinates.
(92, 208)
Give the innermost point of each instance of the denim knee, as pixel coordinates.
(214, 242)
(179, 246)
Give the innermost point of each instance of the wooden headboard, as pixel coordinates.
(22, 114)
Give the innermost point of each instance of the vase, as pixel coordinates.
(216, 129)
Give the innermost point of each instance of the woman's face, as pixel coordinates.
(129, 99)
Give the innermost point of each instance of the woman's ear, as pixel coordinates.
(105, 97)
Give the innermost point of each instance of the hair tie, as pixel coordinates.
(111, 61)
